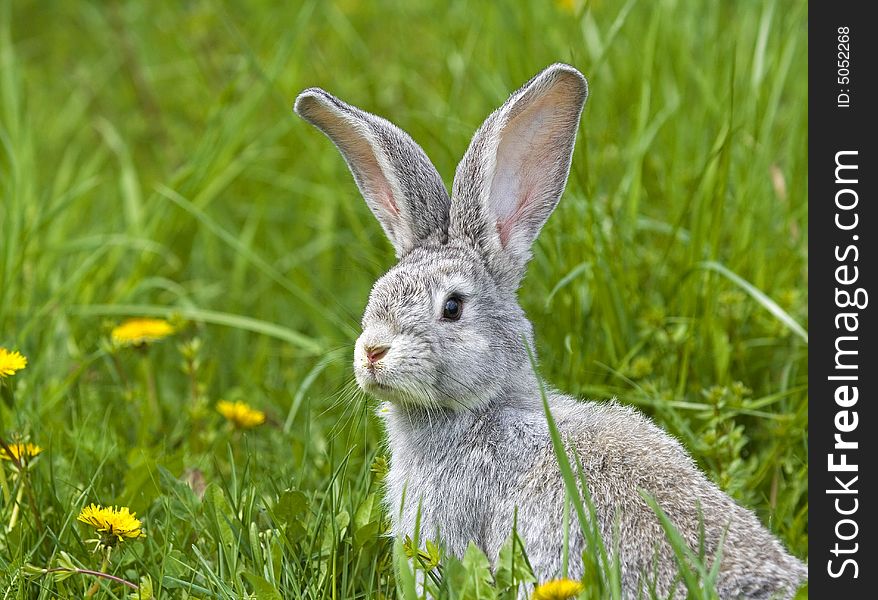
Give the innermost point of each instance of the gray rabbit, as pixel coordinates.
(443, 345)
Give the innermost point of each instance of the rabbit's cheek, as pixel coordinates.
(393, 367)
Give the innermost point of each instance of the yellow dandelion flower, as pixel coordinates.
(113, 524)
(20, 452)
(575, 6)
(10, 362)
(557, 589)
(141, 331)
(240, 414)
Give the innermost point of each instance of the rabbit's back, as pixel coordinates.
(623, 453)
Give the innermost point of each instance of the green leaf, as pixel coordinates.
(262, 588)
(379, 468)
(291, 507)
(66, 561)
(513, 567)
(432, 556)
(367, 521)
(218, 510)
(144, 590)
(570, 276)
(405, 578)
(366, 511)
(342, 520)
(334, 532)
(183, 500)
(173, 583)
(453, 578)
(478, 583)
(427, 559)
(290, 512)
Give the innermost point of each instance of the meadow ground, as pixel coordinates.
(150, 165)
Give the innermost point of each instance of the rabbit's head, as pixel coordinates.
(443, 328)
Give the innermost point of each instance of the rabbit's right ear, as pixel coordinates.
(397, 180)
(512, 176)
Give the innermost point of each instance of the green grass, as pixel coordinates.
(150, 164)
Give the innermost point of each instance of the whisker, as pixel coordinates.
(347, 398)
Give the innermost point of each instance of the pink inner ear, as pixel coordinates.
(506, 225)
(530, 159)
(371, 177)
(389, 202)
(523, 155)
(503, 232)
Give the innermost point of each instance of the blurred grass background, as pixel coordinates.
(150, 165)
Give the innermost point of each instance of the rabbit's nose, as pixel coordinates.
(375, 353)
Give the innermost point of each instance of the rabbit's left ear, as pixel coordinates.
(515, 169)
(397, 180)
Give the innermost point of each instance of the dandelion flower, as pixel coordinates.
(113, 524)
(557, 589)
(140, 331)
(10, 362)
(567, 5)
(240, 414)
(19, 452)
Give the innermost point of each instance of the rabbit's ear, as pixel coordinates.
(516, 167)
(398, 181)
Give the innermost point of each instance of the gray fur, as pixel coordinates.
(463, 412)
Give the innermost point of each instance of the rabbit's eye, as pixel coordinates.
(453, 308)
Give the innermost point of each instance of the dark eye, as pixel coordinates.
(453, 308)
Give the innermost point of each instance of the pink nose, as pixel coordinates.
(375, 353)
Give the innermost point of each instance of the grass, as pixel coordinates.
(150, 166)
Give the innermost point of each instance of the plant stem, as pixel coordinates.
(16, 507)
(151, 390)
(191, 370)
(100, 573)
(34, 507)
(5, 486)
(120, 371)
(8, 452)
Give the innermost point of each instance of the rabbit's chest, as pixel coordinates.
(457, 494)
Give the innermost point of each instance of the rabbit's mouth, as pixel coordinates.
(371, 382)
(372, 385)
(368, 379)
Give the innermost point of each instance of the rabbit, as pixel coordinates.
(444, 347)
